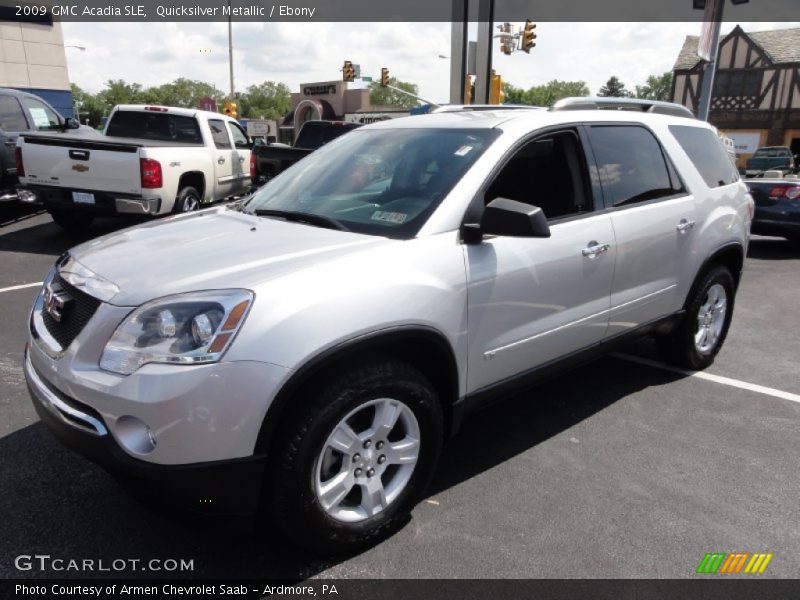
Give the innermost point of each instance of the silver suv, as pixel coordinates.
(306, 353)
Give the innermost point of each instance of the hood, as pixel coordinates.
(213, 249)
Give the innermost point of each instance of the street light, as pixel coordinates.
(81, 48)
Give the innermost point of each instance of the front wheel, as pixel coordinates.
(355, 456)
(699, 337)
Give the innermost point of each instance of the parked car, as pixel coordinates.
(777, 206)
(268, 160)
(20, 113)
(768, 158)
(152, 160)
(306, 354)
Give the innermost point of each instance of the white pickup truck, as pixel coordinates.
(151, 160)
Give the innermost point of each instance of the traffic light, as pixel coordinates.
(230, 109)
(384, 77)
(348, 71)
(496, 94)
(528, 36)
(506, 39)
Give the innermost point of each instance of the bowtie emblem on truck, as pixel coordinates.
(54, 301)
(80, 168)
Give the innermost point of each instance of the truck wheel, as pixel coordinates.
(188, 200)
(72, 221)
(698, 338)
(355, 456)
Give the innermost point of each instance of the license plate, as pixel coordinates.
(82, 198)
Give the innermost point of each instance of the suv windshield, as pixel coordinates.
(383, 182)
(154, 126)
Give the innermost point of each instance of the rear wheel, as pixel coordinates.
(355, 457)
(699, 337)
(188, 200)
(72, 221)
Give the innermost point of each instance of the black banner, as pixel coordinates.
(387, 10)
(732, 588)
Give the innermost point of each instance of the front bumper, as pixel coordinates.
(225, 487)
(105, 203)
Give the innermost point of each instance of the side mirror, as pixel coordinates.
(513, 219)
(70, 123)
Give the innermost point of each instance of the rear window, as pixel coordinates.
(11, 117)
(163, 127)
(707, 153)
(771, 152)
(316, 135)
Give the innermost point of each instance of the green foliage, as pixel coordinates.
(269, 99)
(544, 95)
(384, 96)
(657, 87)
(614, 88)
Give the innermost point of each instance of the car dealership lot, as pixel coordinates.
(615, 470)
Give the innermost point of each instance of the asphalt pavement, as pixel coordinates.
(615, 470)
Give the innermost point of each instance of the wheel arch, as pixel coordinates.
(195, 179)
(730, 256)
(424, 348)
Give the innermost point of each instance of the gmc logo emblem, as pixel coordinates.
(54, 300)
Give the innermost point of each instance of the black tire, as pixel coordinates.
(678, 347)
(72, 221)
(289, 494)
(188, 200)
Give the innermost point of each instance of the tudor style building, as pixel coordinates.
(756, 95)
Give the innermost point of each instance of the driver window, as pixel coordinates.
(547, 172)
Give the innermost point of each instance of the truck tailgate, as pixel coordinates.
(88, 164)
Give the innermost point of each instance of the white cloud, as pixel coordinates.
(296, 53)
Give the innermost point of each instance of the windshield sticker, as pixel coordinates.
(463, 151)
(390, 217)
(40, 117)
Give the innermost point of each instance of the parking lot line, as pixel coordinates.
(20, 287)
(743, 385)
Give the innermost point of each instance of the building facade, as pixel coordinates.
(33, 59)
(333, 101)
(756, 95)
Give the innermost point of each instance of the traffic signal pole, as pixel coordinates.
(704, 103)
(458, 51)
(483, 55)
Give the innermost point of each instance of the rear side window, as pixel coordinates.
(159, 126)
(707, 153)
(631, 165)
(44, 117)
(239, 137)
(219, 134)
(11, 117)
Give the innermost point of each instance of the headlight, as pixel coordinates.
(186, 329)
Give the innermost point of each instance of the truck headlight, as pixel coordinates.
(186, 329)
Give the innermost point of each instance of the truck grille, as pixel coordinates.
(79, 308)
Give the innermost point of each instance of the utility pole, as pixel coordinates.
(230, 46)
(704, 102)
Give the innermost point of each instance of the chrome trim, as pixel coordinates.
(490, 354)
(137, 206)
(57, 406)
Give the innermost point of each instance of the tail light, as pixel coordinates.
(20, 164)
(789, 192)
(253, 166)
(151, 173)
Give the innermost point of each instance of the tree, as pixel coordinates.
(657, 87)
(384, 96)
(545, 95)
(182, 92)
(118, 91)
(87, 106)
(267, 100)
(614, 88)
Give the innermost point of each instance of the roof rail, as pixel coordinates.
(481, 107)
(634, 104)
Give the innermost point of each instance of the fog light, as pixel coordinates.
(134, 435)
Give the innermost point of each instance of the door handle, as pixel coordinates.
(593, 249)
(221, 160)
(683, 226)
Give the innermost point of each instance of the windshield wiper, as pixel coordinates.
(301, 217)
